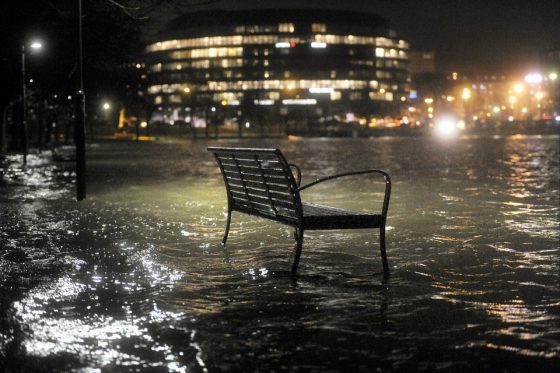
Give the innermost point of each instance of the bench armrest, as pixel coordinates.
(298, 173)
(385, 175)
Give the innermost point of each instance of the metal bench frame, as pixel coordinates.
(260, 182)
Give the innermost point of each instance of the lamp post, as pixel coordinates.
(466, 96)
(34, 46)
(80, 123)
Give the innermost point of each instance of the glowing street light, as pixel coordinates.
(539, 95)
(446, 126)
(534, 78)
(36, 45)
(553, 76)
(106, 106)
(466, 95)
(518, 88)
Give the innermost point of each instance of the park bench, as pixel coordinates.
(260, 182)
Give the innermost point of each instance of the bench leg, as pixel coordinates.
(297, 254)
(227, 227)
(382, 247)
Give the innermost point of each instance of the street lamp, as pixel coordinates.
(35, 45)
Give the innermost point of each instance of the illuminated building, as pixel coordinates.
(283, 62)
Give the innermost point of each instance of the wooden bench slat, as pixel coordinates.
(253, 170)
(247, 157)
(273, 164)
(263, 208)
(275, 184)
(275, 187)
(272, 202)
(261, 192)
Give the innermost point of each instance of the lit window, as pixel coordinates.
(286, 27)
(175, 99)
(300, 101)
(273, 95)
(336, 95)
(320, 90)
(318, 27)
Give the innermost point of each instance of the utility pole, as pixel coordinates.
(80, 124)
(24, 107)
(3, 133)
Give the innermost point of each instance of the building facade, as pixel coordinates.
(289, 62)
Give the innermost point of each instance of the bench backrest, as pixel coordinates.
(259, 182)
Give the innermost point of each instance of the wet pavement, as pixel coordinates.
(134, 277)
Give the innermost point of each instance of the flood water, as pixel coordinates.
(134, 278)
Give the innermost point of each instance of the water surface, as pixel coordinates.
(134, 277)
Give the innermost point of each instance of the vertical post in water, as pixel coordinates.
(80, 125)
(3, 133)
(24, 108)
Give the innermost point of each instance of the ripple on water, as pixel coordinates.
(145, 282)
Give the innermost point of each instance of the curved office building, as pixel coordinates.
(281, 62)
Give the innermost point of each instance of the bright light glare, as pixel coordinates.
(282, 44)
(557, 118)
(36, 45)
(106, 106)
(317, 44)
(518, 88)
(265, 102)
(466, 94)
(446, 126)
(320, 90)
(534, 78)
(553, 76)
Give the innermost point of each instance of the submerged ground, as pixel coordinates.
(134, 277)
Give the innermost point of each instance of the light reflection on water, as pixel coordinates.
(141, 279)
